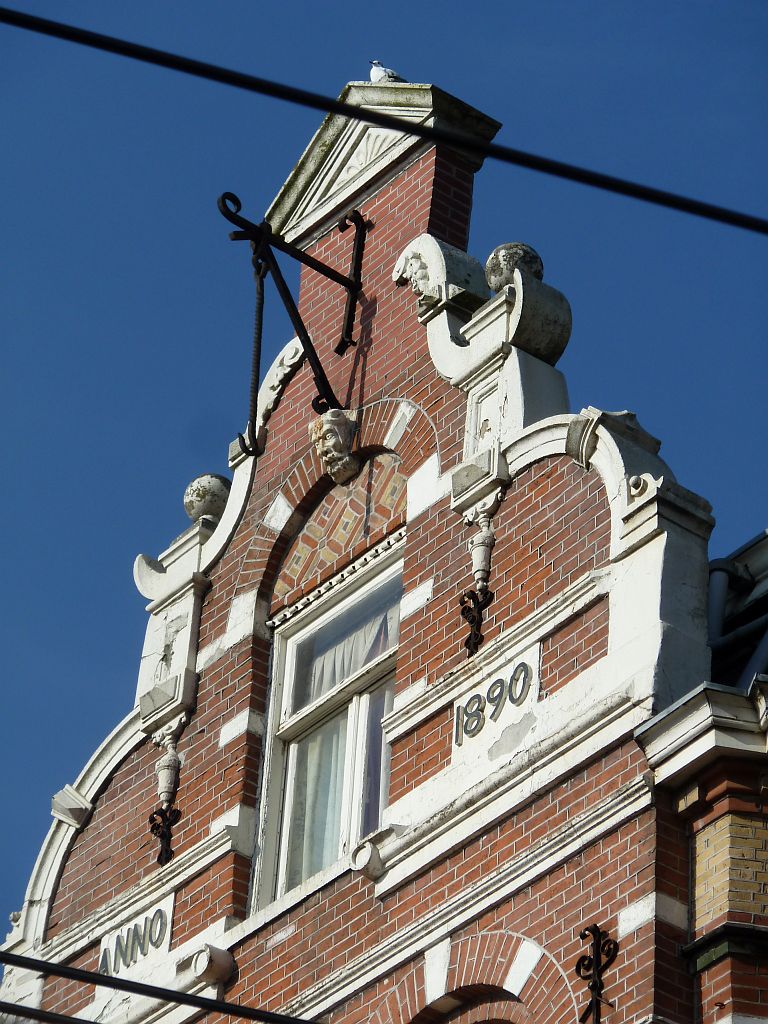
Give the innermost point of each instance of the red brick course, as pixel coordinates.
(574, 647)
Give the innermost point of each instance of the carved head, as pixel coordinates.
(500, 267)
(332, 434)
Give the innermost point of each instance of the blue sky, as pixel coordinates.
(126, 312)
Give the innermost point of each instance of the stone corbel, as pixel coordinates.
(450, 286)
(71, 807)
(213, 965)
(474, 602)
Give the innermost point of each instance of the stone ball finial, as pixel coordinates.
(500, 266)
(206, 496)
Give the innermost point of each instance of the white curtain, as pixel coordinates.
(315, 829)
(353, 651)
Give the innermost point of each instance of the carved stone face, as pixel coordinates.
(332, 435)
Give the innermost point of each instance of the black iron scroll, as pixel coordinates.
(161, 823)
(591, 966)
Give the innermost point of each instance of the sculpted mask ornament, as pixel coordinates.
(332, 434)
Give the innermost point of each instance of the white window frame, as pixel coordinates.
(284, 728)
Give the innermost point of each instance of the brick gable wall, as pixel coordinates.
(552, 529)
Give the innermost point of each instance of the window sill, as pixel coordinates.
(288, 900)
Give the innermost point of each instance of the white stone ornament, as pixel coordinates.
(505, 259)
(482, 543)
(332, 434)
(206, 496)
(213, 965)
(167, 768)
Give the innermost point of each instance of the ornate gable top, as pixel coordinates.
(348, 159)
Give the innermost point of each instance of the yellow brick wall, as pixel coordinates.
(731, 867)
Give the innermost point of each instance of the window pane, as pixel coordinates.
(377, 758)
(316, 807)
(347, 642)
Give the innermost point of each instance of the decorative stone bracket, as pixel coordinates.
(450, 286)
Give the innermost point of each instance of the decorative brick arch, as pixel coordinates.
(387, 425)
(492, 976)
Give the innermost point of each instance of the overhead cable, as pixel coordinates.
(456, 140)
(140, 988)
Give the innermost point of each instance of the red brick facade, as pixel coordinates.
(500, 845)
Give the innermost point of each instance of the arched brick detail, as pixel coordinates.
(418, 439)
(403, 1002)
(489, 1010)
(475, 991)
(487, 959)
(307, 484)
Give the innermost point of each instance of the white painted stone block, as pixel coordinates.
(246, 721)
(437, 959)
(425, 487)
(523, 966)
(278, 513)
(416, 598)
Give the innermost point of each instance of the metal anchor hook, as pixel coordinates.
(263, 242)
(260, 270)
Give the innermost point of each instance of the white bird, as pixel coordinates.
(381, 74)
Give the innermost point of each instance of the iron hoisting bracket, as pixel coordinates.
(263, 241)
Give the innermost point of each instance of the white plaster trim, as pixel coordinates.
(240, 624)
(450, 915)
(174, 970)
(403, 415)
(278, 513)
(246, 721)
(672, 911)
(653, 906)
(524, 964)
(388, 550)
(416, 598)
(281, 936)
(425, 487)
(419, 702)
(704, 724)
(213, 548)
(437, 960)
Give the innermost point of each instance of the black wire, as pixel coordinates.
(45, 1016)
(433, 134)
(168, 995)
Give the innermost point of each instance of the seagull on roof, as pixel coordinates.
(381, 74)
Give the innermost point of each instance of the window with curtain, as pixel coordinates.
(338, 684)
